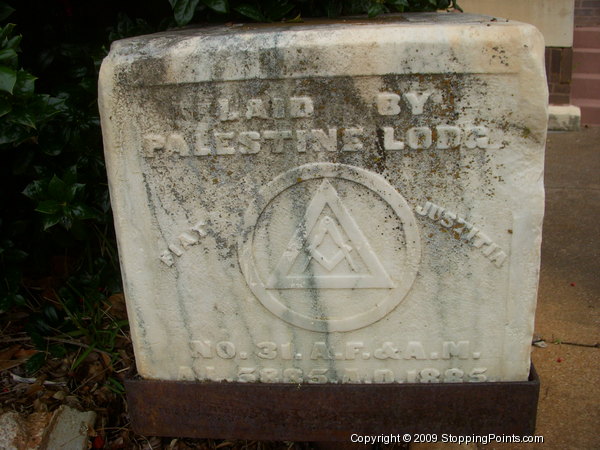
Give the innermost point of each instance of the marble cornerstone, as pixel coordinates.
(340, 202)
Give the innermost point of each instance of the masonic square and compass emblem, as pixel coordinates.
(329, 247)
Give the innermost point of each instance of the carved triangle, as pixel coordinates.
(347, 262)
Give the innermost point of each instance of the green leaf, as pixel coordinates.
(6, 31)
(126, 27)
(220, 6)
(5, 106)
(8, 78)
(35, 363)
(36, 338)
(183, 10)
(58, 189)
(14, 42)
(74, 189)
(50, 313)
(82, 212)
(9, 133)
(278, 9)
(65, 221)
(35, 189)
(44, 106)
(251, 12)
(50, 221)
(356, 6)
(23, 115)
(119, 324)
(375, 9)
(456, 6)
(5, 11)
(104, 201)
(10, 300)
(48, 207)
(8, 56)
(57, 351)
(398, 4)
(297, 19)
(70, 175)
(115, 386)
(25, 84)
(82, 357)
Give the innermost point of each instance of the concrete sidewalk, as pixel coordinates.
(568, 312)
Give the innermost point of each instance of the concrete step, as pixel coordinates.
(590, 110)
(585, 85)
(586, 60)
(586, 37)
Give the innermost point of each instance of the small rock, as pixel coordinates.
(69, 429)
(12, 432)
(59, 395)
(20, 433)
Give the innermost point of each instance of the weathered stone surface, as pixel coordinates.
(358, 201)
(69, 429)
(12, 431)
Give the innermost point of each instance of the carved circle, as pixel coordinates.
(350, 279)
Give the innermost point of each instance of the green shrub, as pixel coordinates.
(186, 11)
(57, 249)
(57, 253)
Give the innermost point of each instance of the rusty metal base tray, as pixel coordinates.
(321, 412)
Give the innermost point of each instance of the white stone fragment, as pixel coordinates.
(357, 202)
(564, 118)
(69, 429)
(19, 432)
(12, 431)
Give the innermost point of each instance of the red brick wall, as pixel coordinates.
(587, 13)
(558, 70)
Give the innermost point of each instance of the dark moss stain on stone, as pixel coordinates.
(226, 248)
(148, 72)
(379, 158)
